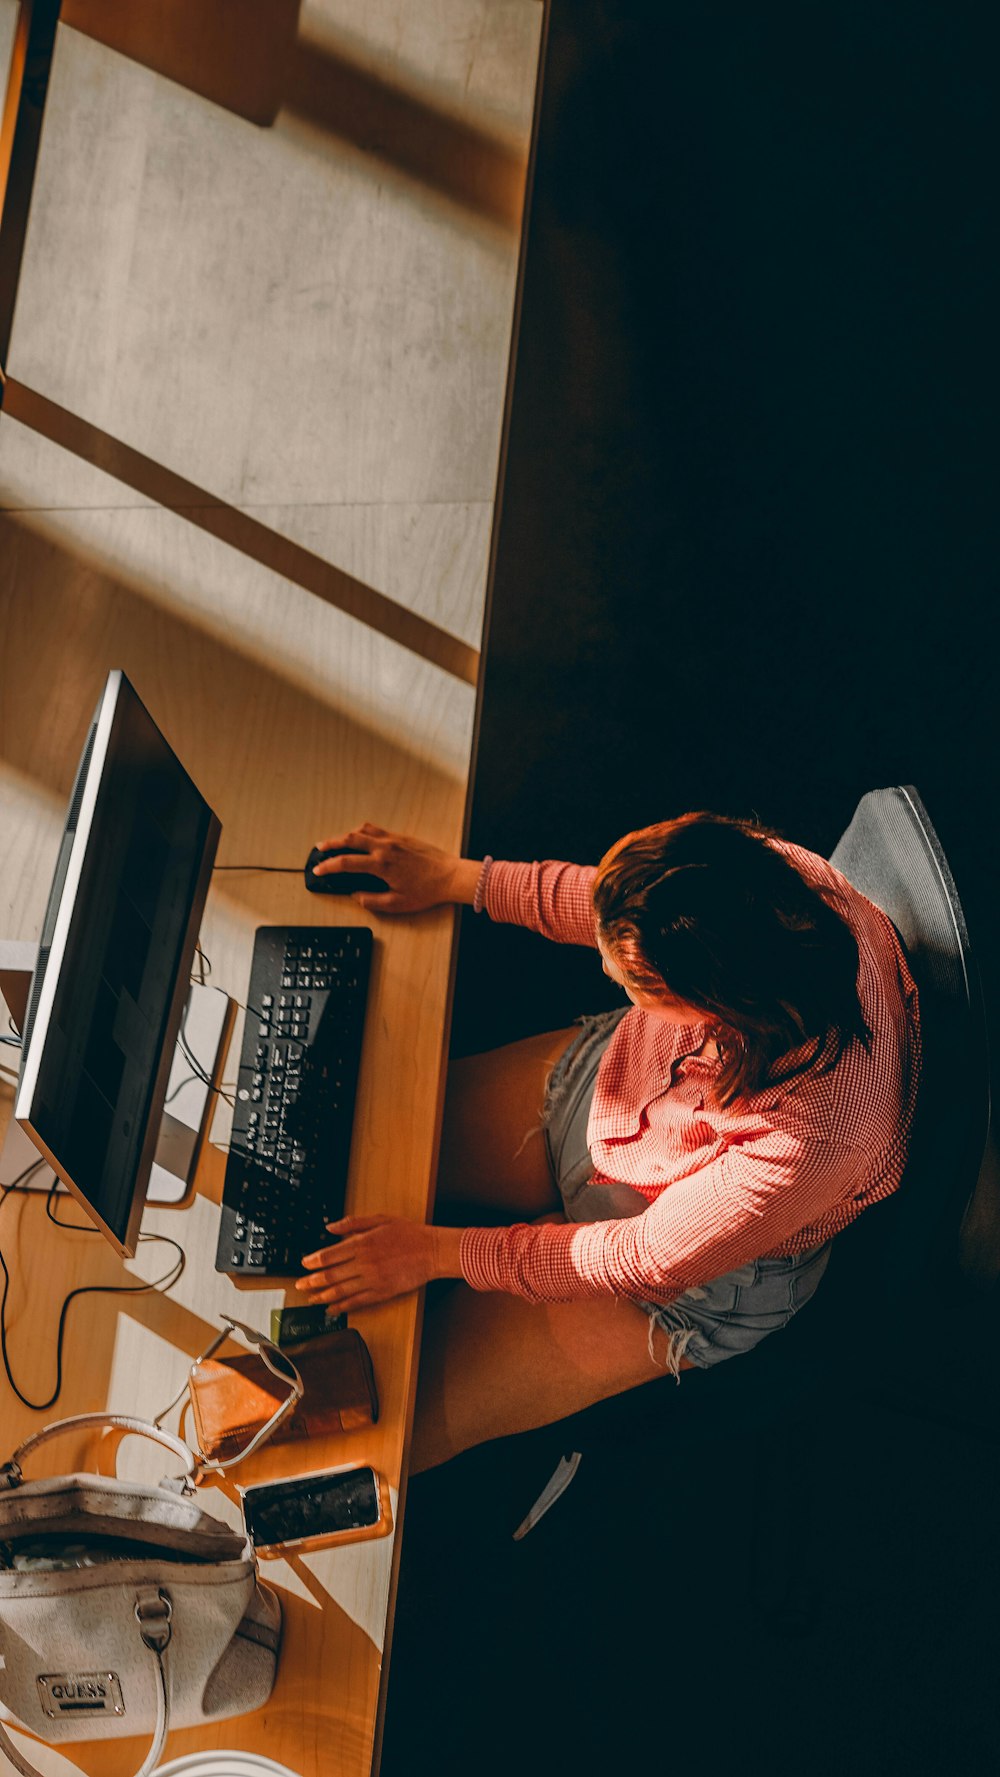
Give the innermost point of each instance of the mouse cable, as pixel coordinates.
(160, 1284)
(273, 869)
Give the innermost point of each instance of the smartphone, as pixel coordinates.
(338, 1505)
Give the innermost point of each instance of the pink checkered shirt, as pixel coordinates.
(774, 1173)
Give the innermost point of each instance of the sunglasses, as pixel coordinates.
(275, 1360)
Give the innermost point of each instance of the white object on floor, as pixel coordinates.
(554, 1489)
(223, 1764)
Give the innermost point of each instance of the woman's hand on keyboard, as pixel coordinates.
(376, 1258)
(419, 875)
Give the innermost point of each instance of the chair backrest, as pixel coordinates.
(891, 853)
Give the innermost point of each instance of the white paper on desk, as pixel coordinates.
(355, 1577)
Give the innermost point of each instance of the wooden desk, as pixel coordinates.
(249, 453)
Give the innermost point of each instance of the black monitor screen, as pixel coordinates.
(97, 1035)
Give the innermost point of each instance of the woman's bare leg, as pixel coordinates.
(492, 1148)
(492, 1365)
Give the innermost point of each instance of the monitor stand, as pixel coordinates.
(189, 1105)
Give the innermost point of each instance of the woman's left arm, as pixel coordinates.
(373, 1258)
(745, 1203)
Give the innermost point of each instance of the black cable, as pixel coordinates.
(160, 1284)
(222, 1091)
(199, 1073)
(207, 961)
(179, 1088)
(51, 1199)
(272, 869)
(16, 1184)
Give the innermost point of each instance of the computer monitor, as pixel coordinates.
(111, 979)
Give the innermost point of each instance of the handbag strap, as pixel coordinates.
(152, 1613)
(10, 1474)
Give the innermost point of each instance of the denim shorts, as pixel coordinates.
(720, 1318)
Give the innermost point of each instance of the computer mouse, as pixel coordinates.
(341, 882)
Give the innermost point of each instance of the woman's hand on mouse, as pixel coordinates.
(376, 1258)
(419, 875)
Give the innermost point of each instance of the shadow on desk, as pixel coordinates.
(230, 703)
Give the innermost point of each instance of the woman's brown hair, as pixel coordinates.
(705, 909)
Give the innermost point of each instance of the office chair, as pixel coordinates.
(876, 1282)
(892, 854)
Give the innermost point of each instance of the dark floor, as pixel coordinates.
(663, 1613)
(747, 551)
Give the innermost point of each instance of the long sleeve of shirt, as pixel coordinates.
(551, 898)
(741, 1205)
(774, 1173)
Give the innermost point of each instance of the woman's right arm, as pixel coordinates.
(551, 898)
(419, 875)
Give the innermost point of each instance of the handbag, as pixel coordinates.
(272, 1392)
(125, 1609)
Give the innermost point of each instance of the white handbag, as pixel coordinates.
(124, 1609)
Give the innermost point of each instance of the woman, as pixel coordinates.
(700, 1148)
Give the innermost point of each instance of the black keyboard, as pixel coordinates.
(286, 1174)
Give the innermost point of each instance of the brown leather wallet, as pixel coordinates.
(233, 1397)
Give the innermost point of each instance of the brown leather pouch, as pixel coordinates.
(232, 1398)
